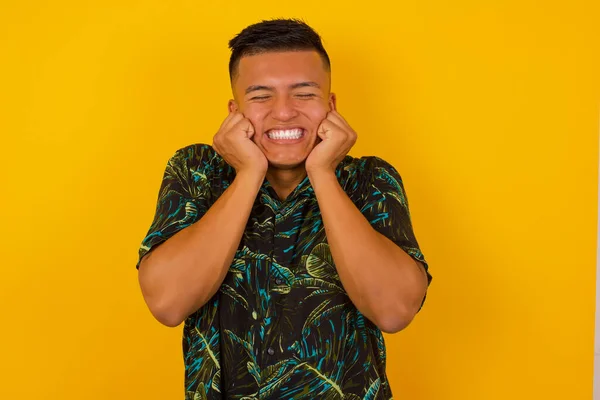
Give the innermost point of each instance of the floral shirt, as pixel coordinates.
(281, 326)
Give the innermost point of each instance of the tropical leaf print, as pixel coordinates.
(281, 326)
(320, 313)
(245, 344)
(373, 390)
(394, 184)
(239, 299)
(274, 371)
(315, 283)
(319, 263)
(200, 393)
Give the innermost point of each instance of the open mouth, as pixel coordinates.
(285, 134)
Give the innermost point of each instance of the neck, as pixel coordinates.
(284, 181)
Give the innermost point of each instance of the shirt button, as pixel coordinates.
(270, 351)
(279, 281)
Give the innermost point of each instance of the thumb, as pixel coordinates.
(324, 130)
(249, 129)
(243, 128)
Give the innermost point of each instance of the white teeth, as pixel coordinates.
(285, 134)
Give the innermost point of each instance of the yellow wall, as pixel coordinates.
(488, 109)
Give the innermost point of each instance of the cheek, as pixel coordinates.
(315, 111)
(317, 115)
(256, 116)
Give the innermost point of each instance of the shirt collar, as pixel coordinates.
(303, 189)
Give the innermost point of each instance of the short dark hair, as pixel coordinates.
(275, 35)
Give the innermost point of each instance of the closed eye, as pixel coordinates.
(260, 98)
(305, 95)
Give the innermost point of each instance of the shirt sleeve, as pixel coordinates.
(183, 198)
(385, 205)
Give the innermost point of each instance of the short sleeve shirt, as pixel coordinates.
(281, 326)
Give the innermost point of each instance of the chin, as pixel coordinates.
(286, 164)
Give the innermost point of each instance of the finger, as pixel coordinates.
(250, 130)
(244, 126)
(227, 120)
(337, 119)
(343, 125)
(225, 127)
(236, 117)
(325, 129)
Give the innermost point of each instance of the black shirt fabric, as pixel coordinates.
(281, 325)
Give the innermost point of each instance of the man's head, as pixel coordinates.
(280, 78)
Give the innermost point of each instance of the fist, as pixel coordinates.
(234, 143)
(337, 138)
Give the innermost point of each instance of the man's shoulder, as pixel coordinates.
(196, 151)
(358, 175)
(199, 157)
(200, 163)
(364, 166)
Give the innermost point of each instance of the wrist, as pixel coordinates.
(321, 177)
(250, 178)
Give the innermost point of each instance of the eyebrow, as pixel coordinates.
(255, 88)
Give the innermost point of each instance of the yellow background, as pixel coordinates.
(488, 109)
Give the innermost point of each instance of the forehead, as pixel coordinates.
(273, 68)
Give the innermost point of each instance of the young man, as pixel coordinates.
(285, 257)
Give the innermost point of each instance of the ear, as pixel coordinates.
(332, 102)
(232, 106)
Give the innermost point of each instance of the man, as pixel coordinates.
(285, 257)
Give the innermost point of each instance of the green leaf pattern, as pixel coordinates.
(281, 326)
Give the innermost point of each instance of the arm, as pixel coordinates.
(183, 273)
(384, 282)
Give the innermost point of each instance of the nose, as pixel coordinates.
(283, 109)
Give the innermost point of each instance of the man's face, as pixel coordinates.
(286, 97)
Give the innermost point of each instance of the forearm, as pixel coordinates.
(183, 273)
(384, 282)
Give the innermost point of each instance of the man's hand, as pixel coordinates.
(234, 143)
(337, 138)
